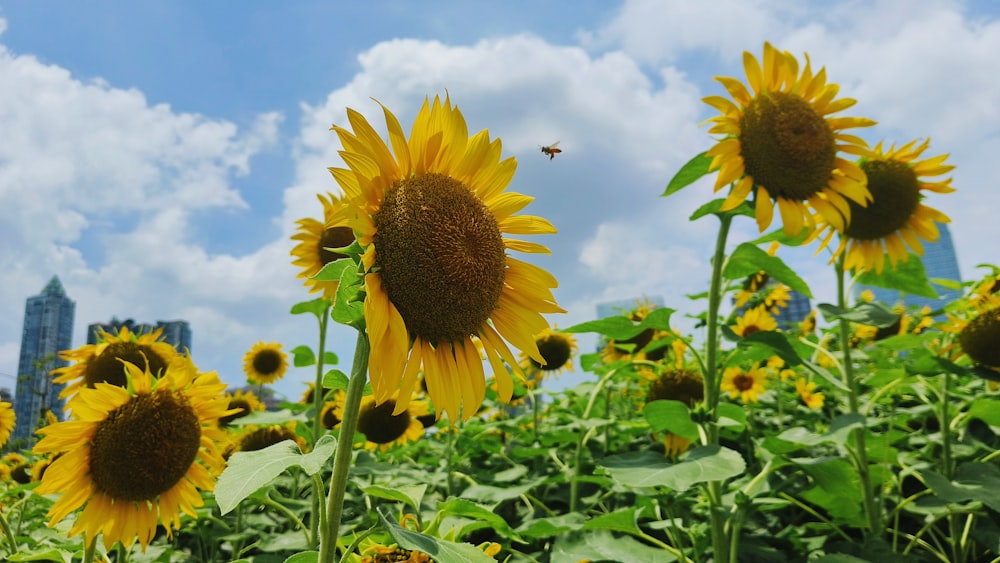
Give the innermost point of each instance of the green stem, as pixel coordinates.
(574, 484)
(345, 447)
(712, 383)
(271, 503)
(11, 541)
(88, 554)
(318, 393)
(871, 512)
(957, 555)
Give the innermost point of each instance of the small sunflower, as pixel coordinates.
(754, 320)
(432, 215)
(681, 385)
(808, 326)
(896, 217)
(807, 392)
(745, 384)
(980, 338)
(259, 437)
(383, 427)
(782, 145)
(332, 410)
(316, 238)
(265, 363)
(243, 403)
(137, 454)
(557, 349)
(101, 362)
(7, 421)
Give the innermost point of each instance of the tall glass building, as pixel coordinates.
(48, 329)
(940, 262)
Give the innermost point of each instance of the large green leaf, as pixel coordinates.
(621, 328)
(974, 481)
(692, 171)
(269, 417)
(440, 550)
(602, 545)
(491, 494)
(332, 271)
(620, 521)
(246, 472)
(304, 557)
(907, 277)
(469, 509)
(836, 487)
(875, 314)
(777, 342)
(747, 259)
(648, 469)
(798, 437)
(411, 494)
(671, 416)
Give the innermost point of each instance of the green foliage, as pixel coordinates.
(692, 171)
(747, 260)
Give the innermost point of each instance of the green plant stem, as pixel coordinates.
(11, 541)
(88, 554)
(712, 383)
(318, 393)
(957, 554)
(273, 504)
(345, 447)
(574, 484)
(871, 512)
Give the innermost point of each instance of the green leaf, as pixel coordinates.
(51, 554)
(648, 469)
(469, 509)
(621, 328)
(549, 527)
(907, 277)
(304, 557)
(335, 379)
(875, 314)
(783, 238)
(316, 307)
(837, 487)
(491, 494)
(974, 481)
(602, 545)
(619, 521)
(303, 356)
(246, 472)
(713, 207)
(348, 307)
(987, 410)
(268, 417)
(671, 416)
(692, 171)
(732, 416)
(798, 437)
(330, 358)
(777, 342)
(440, 550)
(748, 260)
(332, 271)
(411, 495)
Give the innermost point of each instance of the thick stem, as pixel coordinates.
(712, 383)
(318, 423)
(88, 554)
(345, 446)
(861, 456)
(11, 541)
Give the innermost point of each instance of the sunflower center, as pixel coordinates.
(787, 146)
(895, 192)
(334, 237)
(555, 350)
(267, 361)
(241, 404)
(144, 447)
(329, 418)
(106, 368)
(379, 425)
(980, 339)
(743, 382)
(264, 437)
(680, 385)
(750, 329)
(441, 257)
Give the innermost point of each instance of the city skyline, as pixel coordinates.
(176, 332)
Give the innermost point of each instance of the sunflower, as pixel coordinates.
(681, 385)
(243, 403)
(265, 363)
(557, 349)
(256, 438)
(384, 427)
(432, 215)
(807, 392)
(782, 145)
(101, 362)
(745, 384)
(332, 410)
(980, 338)
(136, 454)
(7, 421)
(754, 320)
(808, 326)
(632, 347)
(896, 217)
(316, 239)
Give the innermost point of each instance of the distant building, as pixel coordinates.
(176, 333)
(940, 262)
(48, 329)
(797, 310)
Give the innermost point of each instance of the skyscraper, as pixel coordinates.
(940, 262)
(48, 329)
(177, 333)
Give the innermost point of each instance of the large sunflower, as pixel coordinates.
(265, 363)
(895, 218)
(7, 421)
(101, 362)
(137, 454)
(782, 145)
(316, 238)
(432, 215)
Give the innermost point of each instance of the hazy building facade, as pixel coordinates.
(176, 333)
(940, 262)
(48, 329)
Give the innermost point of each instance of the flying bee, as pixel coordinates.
(551, 150)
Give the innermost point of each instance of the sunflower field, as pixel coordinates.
(861, 431)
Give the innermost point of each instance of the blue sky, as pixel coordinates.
(156, 155)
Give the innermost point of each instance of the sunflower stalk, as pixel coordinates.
(345, 447)
(11, 541)
(318, 393)
(585, 434)
(717, 513)
(850, 379)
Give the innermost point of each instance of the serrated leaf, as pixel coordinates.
(440, 550)
(747, 259)
(692, 171)
(700, 464)
(874, 314)
(671, 416)
(908, 277)
(303, 356)
(331, 271)
(246, 472)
